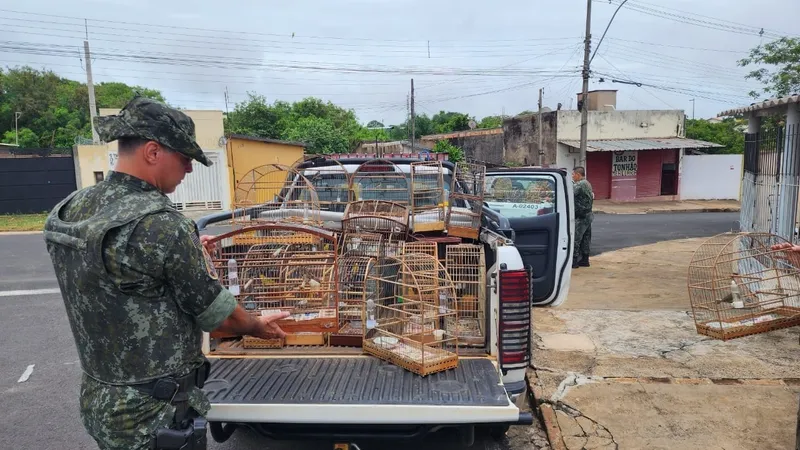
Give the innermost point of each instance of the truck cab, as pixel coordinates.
(340, 393)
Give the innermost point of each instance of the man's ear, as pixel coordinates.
(151, 152)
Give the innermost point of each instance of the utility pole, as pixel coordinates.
(692, 100)
(16, 125)
(539, 128)
(90, 85)
(413, 118)
(585, 92)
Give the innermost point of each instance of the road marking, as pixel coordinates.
(26, 374)
(30, 292)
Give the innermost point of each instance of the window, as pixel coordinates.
(98, 177)
(517, 196)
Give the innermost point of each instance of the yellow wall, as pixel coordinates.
(245, 155)
(90, 159)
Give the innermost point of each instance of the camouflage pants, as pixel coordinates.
(122, 417)
(583, 238)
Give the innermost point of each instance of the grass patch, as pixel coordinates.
(22, 222)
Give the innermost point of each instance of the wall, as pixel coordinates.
(482, 145)
(245, 155)
(36, 184)
(90, 159)
(711, 177)
(521, 139)
(627, 124)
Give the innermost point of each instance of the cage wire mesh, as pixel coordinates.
(362, 244)
(276, 193)
(466, 265)
(380, 179)
(427, 196)
(401, 325)
(354, 274)
(388, 219)
(287, 267)
(739, 285)
(332, 183)
(465, 202)
(424, 247)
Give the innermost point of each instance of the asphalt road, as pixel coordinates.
(42, 412)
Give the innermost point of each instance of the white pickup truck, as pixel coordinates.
(342, 395)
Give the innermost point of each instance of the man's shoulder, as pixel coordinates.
(164, 224)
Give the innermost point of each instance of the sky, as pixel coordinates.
(463, 56)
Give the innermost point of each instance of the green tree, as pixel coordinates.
(783, 56)
(27, 138)
(448, 122)
(320, 135)
(725, 133)
(491, 122)
(117, 95)
(254, 117)
(454, 154)
(374, 124)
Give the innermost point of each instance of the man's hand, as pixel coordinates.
(210, 246)
(268, 327)
(794, 253)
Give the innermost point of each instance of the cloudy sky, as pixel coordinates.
(463, 56)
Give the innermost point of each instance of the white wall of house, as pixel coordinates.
(627, 124)
(711, 177)
(565, 158)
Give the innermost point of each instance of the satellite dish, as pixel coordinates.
(472, 124)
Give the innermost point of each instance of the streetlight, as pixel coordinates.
(16, 127)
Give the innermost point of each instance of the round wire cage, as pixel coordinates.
(332, 183)
(740, 285)
(380, 179)
(276, 193)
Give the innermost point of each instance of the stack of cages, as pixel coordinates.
(465, 201)
(332, 185)
(272, 267)
(278, 194)
(407, 304)
(739, 285)
(377, 217)
(380, 179)
(427, 196)
(466, 265)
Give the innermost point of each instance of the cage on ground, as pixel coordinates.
(740, 286)
(405, 312)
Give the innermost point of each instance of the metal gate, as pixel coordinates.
(201, 189)
(770, 182)
(35, 184)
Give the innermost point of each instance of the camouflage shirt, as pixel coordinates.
(583, 199)
(135, 282)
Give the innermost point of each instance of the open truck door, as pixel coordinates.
(536, 207)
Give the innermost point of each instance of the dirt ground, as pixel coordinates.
(655, 207)
(622, 366)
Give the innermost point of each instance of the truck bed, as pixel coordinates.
(354, 389)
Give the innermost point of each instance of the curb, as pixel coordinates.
(546, 412)
(19, 233)
(671, 211)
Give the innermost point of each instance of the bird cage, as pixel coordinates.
(377, 216)
(427, 196)
(354, 271)
(276, 193)
(739, 285)
(424, 247)
(362, 244)
(403, 330)
(465, 202)
(282, 267)
(466, 265)
(332, 183)
(379, 179)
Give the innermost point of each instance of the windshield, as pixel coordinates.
(519, 196)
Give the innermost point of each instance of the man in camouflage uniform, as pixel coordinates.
(139, 287)
(584, 198)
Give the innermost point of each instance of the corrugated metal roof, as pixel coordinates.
(766, 104)
(611, 145)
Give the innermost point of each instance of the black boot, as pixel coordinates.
(584, 262)
(575, 264)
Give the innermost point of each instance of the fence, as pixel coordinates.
(35, 184)
(770, 182)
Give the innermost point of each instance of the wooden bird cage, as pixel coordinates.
(739, 286)
(401, 326)
(466, 265)
(377, 216)
(427, 196)
(424, 247)
(465, 202)
(362, 244)
(356, 281)
(332, 184)
(276, 193)
(282, 267)
(380, 179)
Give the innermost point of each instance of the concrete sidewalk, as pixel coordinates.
(620, 364)
(662, 207)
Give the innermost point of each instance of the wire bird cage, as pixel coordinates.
(424, 247)
(401, 325)
(388, 219)
(380, 179)
(276, 193)
(465, 202)
(739, 286)
(332, 184)
(353, 274)
(427, 196)
(466, 265)
(282, 267)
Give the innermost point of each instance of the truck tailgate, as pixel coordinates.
(354, 390)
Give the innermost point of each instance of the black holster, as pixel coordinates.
(188, 429)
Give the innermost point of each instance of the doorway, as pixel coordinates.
(669, 179)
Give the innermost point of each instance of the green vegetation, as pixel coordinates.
(22, 222)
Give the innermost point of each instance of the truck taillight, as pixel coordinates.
(514, 343)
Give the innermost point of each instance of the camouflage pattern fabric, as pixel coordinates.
(583, 199)
(583, 219)
(146, 118)
(138, 294)
(583, 239)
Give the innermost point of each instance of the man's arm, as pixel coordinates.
(243, 323)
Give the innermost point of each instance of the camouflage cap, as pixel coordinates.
(146, 118)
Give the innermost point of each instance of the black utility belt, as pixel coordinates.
(169, 388)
